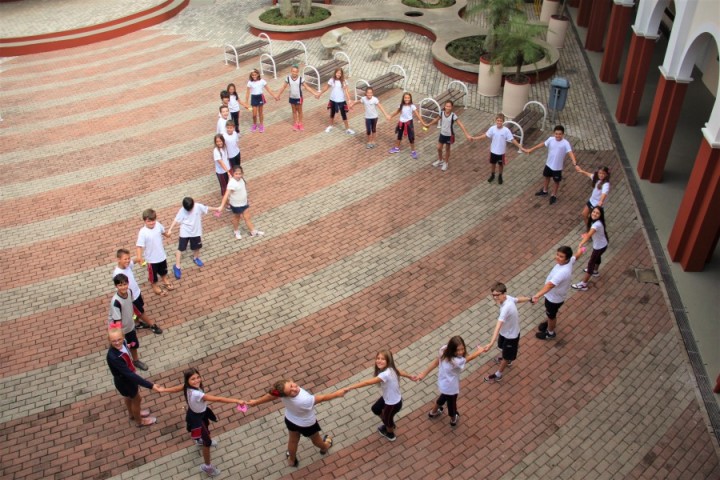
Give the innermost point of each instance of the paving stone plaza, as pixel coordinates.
(362, 251)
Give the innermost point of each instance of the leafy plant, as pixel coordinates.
(515, 45)
(496, 13)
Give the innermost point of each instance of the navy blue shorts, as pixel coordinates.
(296, 101)
(370, 125)
(139, 305)
(239, 210)
(257, 100)
(195, 243)
(556, 175)
(446, 140)
(304, 431)
(496, 159)
(131, 339)
(509, 347)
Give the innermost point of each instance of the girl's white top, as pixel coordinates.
(390, 387)
(406, 112)
(337, 93)
(300, 410)
(449, 373)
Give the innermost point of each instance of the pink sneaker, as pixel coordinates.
(261, 128)
(253, 128)
(301, 127)
(296, 126)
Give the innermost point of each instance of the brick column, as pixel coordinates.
(695, 233)
(661, 128)
(634, 78)
(583, 16)
(598, 25)
(620, 19)
(574, 3)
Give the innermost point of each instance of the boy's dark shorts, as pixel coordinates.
(304, 431)
(551, 309)
(296, 101)
(239, 210)
(139, 305)
(509, 347)
(445, 140)
(127, 390)
(131, 339)
(496, 159)
(257, 100)
(556, 175)
(195, 243)
(235, 161)
(156, 270)
(370, 125)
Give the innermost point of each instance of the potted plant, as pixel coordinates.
(515, 46)
(557, 27)
(549, 8)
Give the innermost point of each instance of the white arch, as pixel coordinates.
(648, 17)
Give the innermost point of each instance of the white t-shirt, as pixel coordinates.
(560, 276)
(256, 87)
(238, 193)
(234, 104)
(499, 138)
(191, 222)
(195, 400)
(220, 156)
(446, 122)
(221, 127)
(449, 373)
(231, 143)
(370, 104)
(337, 93)
(300, 410)
(509, 317)
(295, 86)
(556, 153)
(390, 387)
(599, 239)
(406, 112)
(151, 241)
(598, 192)
(132, 283)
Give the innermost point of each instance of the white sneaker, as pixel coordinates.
(257, 233)
(199, 443)
(580, 286)
(328, 129)
(237, 235)
(437, 163)
(350, 131)
(444, 166)
(210, 470)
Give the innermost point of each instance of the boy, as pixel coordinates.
(558, 148)
(190, 219)
(499, 136)
(121, 310)
(150, 243)
(222, 119)
(507, 330)
(124, 266)
(232, 143)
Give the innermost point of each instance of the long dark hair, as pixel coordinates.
(590, 221)
(402, 100)
(596, 177)
(452, 348)
(186, 377)
(390, 362)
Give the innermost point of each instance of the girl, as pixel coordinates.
(339, 100)
(222, 165)
(447, 134)
(405, 125)
(236, 196)
(598, 233)
(371, 115)
(451, 361)
(601, 181)
(296, 84)
(254, 94)
(234, 105)
(300, 418)
(390, 403)
(199, 415)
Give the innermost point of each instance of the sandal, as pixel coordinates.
(147, 421)
(327, 439)
(145, 413)
(169, 286)
(158, 291)
(297, 462)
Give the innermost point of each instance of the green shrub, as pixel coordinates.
(421, 4)
(273, 17)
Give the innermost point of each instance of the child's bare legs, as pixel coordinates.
(178, 255)
(556, 186)
(206, 454)
(501, 366)
(318, 442)
(134, 354)
(133, 406)
(440, 151)
(297, 111)
(585, 214)
(260, 114)
(447, 153)
(196, 253)
(248, 222)
(236, 221)
(546, 183)
(166, 282)
(293, 440)
(347, 124)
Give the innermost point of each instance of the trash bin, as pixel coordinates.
(558, 93)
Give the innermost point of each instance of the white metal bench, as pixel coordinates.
(391, 42)
(333, 39)
(431, 107)
(232, 53)
(325, 71)
(526, 120)
(382, 83)
(269, 62)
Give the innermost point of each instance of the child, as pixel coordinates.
(254, 94)
(125, 266)
(232, 143)
(339, 100)
(222, 120)
(405, 124)
(199, 415)
(222, 164)
(601, 187)
(499, 136)
(300, 418)
(447, 134)
(507, 330)
(234, 105)
(390, 403)
(558, 148)
(236, 196)
(451, 361)
(371, 115)
(126, 380)
(296, 84)
(121, 310)
(150, 243)
(190, 219)
(598, 232)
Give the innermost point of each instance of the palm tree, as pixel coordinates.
(496, 13)
(515, 44)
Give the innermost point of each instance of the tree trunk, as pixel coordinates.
(305, 8)
(286, 9)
